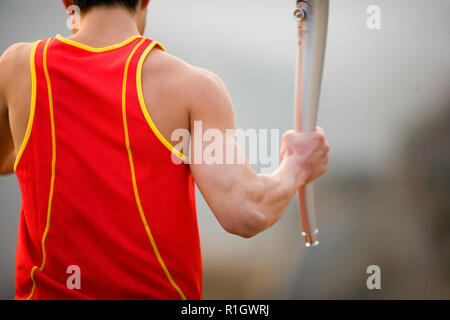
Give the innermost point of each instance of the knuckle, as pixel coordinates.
(320, 138)
(287, 136)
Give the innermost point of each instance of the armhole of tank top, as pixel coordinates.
(143, 106)
(32, 105)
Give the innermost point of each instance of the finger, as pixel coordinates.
(320, 131)
(282, 153)
(321, 151)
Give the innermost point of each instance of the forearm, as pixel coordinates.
(244, 202)
(270, 195)
(280, 188)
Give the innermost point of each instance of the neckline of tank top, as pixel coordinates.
(92, 49)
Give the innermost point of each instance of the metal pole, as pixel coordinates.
(312, 18)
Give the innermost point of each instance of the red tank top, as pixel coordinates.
(104, 206)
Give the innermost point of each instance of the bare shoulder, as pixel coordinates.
(16, 55)
(192, 84)
(14, 66)
(15, 63)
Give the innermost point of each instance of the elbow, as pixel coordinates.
(6, 169)
(255, 224)
(251, 224)
(7, 166)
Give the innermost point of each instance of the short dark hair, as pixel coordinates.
(85, 5)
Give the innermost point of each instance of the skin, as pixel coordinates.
(244, 203)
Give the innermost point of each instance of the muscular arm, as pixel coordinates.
(15, 92)
(7, 154)
(244, 202)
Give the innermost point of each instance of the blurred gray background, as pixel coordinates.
(385, 107)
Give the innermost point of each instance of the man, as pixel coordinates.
(86, 122)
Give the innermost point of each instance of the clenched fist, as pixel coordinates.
(306, 154)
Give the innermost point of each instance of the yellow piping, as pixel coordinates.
(92, 49)
(133, 177)
(52, 181)
(32, 106)
(144, 108)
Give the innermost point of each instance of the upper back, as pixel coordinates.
(165, 87)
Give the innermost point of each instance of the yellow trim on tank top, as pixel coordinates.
(52, 181)
(134, 181)
(32, 105)
(92, 49)
(144, 109)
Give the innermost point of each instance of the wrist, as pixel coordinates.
(293, 171)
